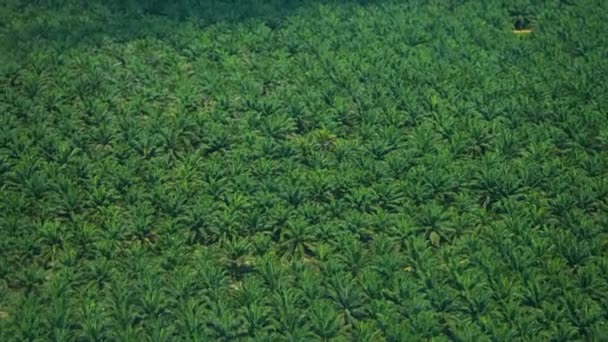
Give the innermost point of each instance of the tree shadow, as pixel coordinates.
(63, 24)
(124, 20)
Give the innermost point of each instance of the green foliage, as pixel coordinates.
(289, 170)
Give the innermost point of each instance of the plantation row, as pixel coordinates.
(392, 171)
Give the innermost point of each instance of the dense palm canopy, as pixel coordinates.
(290, 170)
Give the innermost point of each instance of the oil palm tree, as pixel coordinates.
(347, 298)
(297, 237)
(324, 320)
